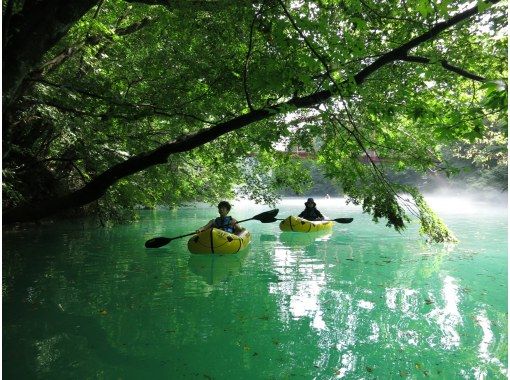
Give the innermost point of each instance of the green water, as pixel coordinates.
(364, 302)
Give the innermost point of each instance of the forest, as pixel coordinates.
(110, 105)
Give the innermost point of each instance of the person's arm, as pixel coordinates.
(320, 216)
(236, 226)
(208, 225)
(302, 214)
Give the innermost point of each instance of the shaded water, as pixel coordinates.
(81, 301)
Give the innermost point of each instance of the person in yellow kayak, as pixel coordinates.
(310, 212)
(224, 221)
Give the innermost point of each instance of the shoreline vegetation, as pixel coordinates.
(489, 197)
(471, 184)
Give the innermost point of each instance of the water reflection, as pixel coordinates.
(268, 237)
(294, 239)
(348, 363)
(214, 269)
(299, 285)
(329, 284)
(403, 300)
(484, 353)
(448, 317)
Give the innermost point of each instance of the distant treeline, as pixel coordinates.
(466, 176)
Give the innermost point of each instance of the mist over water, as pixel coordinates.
(443, 201)
(468, 203)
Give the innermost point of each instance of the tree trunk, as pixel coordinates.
(33, 32)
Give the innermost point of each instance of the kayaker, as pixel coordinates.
(310, 212)
(224, 221)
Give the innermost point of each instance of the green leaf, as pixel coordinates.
(482, 5)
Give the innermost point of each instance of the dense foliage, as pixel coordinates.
(147, 102)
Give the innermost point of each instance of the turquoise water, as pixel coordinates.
(362, 302)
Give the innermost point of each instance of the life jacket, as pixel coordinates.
(224, 224)
(311, 214)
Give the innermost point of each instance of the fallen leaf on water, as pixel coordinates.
(103, 312)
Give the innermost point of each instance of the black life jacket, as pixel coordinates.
(311, 214)
(224, 224)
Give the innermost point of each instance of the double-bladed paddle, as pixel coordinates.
(338, 220)
(265, 217)
(342, 220)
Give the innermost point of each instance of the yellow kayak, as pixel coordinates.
(297, 224)
(216, 241)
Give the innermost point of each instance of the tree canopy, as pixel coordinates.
(112, 104)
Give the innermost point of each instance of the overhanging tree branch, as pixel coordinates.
(140, 110)
(403, 50)
(207, 5)
(247, 61)
(446, 65)
(99, 185)
(321, 58)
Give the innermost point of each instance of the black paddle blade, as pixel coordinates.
(269, 220)
(157, 242)
(267, 217)
(343, 220)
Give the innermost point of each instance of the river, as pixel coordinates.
(363, 301)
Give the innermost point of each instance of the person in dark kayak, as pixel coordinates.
(224, 221)
(310, 212)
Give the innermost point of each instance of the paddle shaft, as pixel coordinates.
(338, 220)
(265, 217)
(239, 221)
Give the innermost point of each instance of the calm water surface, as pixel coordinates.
(362, 302)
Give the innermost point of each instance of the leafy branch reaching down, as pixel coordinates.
(430, 224)
(381, 203)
